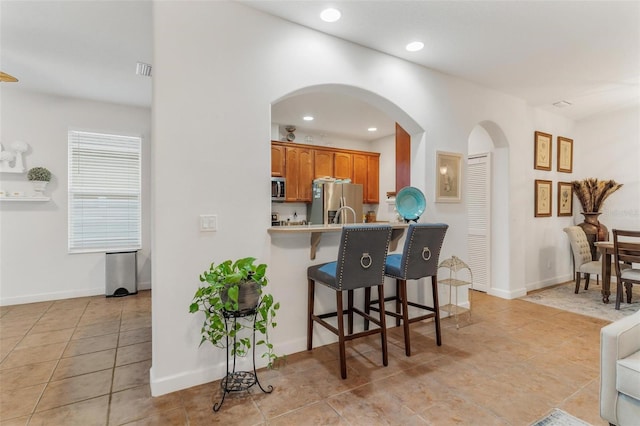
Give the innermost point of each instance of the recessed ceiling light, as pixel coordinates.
(561, 104)
(372, 129)
(307, 118)
(330, 15)
(414, 46)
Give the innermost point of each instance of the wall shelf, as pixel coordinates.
(28, 199)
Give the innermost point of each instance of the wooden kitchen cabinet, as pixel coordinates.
(299, 174)
(372, 190)
(359, 174)
(342, 165)
(278, 155)
(366, 172)
(323, 163)
(300, 164)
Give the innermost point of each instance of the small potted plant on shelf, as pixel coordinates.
(40, 176)
(234, 290)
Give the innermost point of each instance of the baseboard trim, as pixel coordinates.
(507, 294)
(58, 295)
(548, 282)
(46, 297)
(164, 385)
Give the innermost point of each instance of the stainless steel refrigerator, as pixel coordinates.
(327, 200)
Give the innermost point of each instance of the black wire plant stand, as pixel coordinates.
(238, 381)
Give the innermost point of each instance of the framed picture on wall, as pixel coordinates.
(543, 193)
(542, 151)
(565, 155)
(448, 177)
(565, 199)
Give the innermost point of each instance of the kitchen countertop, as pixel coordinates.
(316, 232)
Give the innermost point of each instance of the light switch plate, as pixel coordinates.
(208, 222)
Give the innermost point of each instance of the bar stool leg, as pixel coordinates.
(399, 302)
(402, 293)
(383, 327)
(350, 310)
(367, 306)
(341, 339)
(436, 308)
(310, 305)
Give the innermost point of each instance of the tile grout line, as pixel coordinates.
(33, 411)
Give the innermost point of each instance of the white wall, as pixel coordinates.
(548, 255)
(221, 116)
(608, 147)
(34, 262)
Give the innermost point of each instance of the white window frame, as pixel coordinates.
(104, 192)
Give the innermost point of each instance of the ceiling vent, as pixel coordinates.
(143, 69)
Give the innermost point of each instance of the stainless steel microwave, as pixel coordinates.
(277, 188)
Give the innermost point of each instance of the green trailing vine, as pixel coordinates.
(220, 296)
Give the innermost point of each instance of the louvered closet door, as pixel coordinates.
(479, 210)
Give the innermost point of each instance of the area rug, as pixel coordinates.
(586, 302)
(558, 417)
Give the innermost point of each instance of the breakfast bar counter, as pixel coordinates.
(316, 232)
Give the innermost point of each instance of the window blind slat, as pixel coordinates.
(104, 191)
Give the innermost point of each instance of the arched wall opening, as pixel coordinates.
(385, 145)
(487, 138)
(383, 104)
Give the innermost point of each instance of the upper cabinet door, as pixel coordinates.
(323, 163)
(360, 169)
(342, 165)
(305, 174)
(299, 172)
(278, 162)
(372, 192)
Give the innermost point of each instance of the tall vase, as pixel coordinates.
(595, 231)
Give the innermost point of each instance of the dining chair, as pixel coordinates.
(582, 258)
(360, 264)
(419, 259)
(626, 252)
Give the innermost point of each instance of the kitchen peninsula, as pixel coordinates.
(316, 232)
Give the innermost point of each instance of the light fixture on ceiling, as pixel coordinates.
(6, 78)
(307, 118)
(143, 69)
(372, 129)
(414, 46)
(562, 104)
(330, 15)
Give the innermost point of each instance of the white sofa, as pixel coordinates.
(620, 371)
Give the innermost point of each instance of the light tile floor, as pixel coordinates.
(86, 361)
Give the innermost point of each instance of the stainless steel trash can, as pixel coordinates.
(121, 273)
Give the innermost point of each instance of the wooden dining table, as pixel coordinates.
(606, 250)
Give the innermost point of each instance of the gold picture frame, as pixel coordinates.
(565, 155)
(448, 177)
(543, 198)
(542, 151)
(565, 199)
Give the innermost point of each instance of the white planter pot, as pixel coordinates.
(39, 187)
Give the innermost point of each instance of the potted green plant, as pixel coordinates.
(233, 290)
(40, 176)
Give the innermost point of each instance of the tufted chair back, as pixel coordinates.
(579, 246)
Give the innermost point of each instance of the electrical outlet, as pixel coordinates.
(208, 223)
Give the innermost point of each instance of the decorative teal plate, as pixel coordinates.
(410, 203)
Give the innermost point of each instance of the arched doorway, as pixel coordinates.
(487, 207)
(356, 105)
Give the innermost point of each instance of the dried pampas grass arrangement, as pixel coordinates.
(592, 192)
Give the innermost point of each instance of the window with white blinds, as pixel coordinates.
(104, 192)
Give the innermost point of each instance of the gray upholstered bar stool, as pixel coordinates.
(360, 264)
(419, 259)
